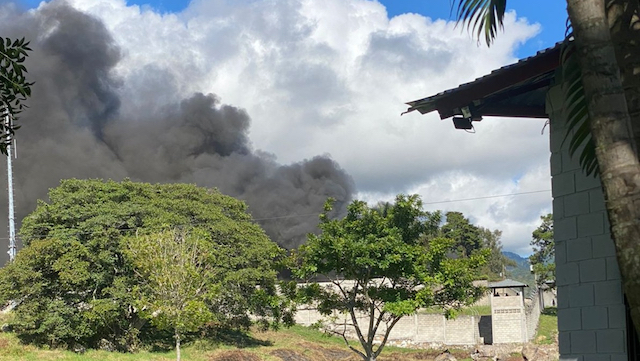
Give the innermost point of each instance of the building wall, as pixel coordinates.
(591, 314)
(507, 317)
(549, 298)
(514, 301)
(507, 325)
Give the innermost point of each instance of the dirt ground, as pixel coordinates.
(316, 353)
(307, 351)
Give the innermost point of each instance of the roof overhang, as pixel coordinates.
(517, 90)
(507, 283)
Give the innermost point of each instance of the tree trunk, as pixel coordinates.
(177, 336)
(612, 131)
(624, 25)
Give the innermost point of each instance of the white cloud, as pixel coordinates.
(331, 76)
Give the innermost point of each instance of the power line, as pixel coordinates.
(130, 229)
(487, 197)
(436, 202)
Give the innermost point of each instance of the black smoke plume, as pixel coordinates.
(80, 125)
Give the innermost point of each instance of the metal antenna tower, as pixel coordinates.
(12, 221)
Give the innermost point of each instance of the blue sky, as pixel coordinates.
(551, 14)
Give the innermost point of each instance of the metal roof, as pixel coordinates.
(507, 283)
(516, 90)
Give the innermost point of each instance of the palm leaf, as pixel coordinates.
(485, 16)
(482, 16)
(578, 132)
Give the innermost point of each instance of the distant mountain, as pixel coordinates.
(521, 271)
(522, 262)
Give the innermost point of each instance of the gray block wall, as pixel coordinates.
(420, 327)
(532, 310)
(591, 314)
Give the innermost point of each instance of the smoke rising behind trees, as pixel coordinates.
(83, 122)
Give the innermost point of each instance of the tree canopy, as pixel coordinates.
(460, 229)
(383, 264)
(469, 238)
(74, 281)
(543, 257)
(14, 87)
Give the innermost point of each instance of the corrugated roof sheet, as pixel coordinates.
(507, 283)
(430, 103)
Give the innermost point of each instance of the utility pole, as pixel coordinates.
(12, 221)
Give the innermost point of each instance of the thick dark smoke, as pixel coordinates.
(79, 125)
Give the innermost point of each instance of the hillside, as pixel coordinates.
(521, 271)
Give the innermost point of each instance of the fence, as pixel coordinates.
(462, 330)
(420, 327)
(532, 313)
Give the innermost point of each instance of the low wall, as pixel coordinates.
(532, 314)
(421, 327)
(509, 323)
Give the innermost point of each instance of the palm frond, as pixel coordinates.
(482, 16)
(578, 131)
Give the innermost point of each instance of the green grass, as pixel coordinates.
(12, 350)
(547, 327)
(476, 310)
(304, 341)
(313, 335)
(467, 311)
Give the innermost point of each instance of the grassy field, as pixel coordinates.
(293, 344)
(548, 326)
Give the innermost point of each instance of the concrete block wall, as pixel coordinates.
(511, 326)
(433, 328)
(508, 325)
(499, 302)
(430, 328)
(532, 314)
(307, 316)
(591, 314)
(461, 331)
(508, 317)
(405, 329)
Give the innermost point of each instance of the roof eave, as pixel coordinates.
(533, 72)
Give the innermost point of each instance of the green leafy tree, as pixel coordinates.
(543, 257)
(175, 273)
(497, 262)
(603, 105)
(47, 306)
(379, 270)
(469, 238)
(14, 87)
(466, 235)
(75, 284)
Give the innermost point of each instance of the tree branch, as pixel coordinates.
(386, 335)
